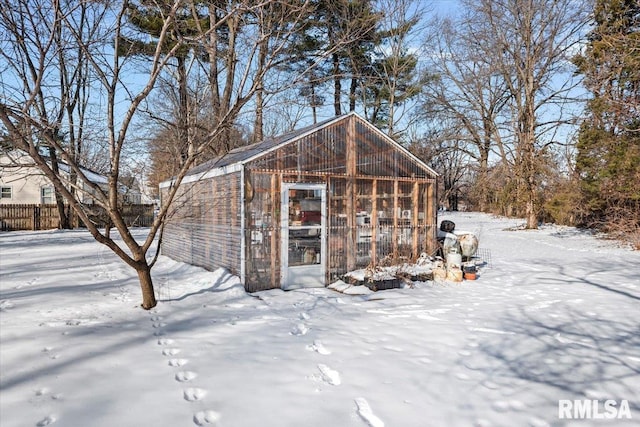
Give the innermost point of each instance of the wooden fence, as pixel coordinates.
(44, 217)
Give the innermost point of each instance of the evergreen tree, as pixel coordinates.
(333, 47)
(608, 160)
(149, 19)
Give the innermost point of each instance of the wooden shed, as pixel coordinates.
(305, 208)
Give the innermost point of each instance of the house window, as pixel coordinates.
(46, 195)
(6, 193)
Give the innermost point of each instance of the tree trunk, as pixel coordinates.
(258, 128)
(531, 205)
(183, 113)
(483, 172)
(337, 86)
(146, 285)
(63, 223)
(353, 94)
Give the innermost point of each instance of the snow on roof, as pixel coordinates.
(92, 176)
(22, 159)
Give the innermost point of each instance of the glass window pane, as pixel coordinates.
(46, 195)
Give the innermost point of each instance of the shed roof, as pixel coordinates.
(235, 158)
(248, 152)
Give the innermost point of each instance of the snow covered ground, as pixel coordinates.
(556, 316)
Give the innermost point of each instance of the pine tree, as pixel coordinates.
(608, 160)
(148, 20)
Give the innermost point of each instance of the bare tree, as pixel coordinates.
(462, 88)
(235, 74)
(530, 44)
(62, 101)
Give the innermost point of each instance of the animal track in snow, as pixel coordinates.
(299, 330)
(329, 375)
(159, 325)
(165, 341)
(504, 406)
(193, 394)
(318, 347)
(490, 385)
(49, 419)
(170, 351)
(42, 391)
(176, 363)
(537, 422)
(29, 283)
(365, 412)
(5, 304)
(203, 418)
(155, 318)
(185, 376)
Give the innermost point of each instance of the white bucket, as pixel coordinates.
(454, 260)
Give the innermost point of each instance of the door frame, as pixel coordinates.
(285, 275)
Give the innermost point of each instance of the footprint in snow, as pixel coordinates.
(304, 316)
(49, 419)
(48, 350)
(155, 318)
(176, 363)
(159, 325)
(45, 392)
(42, 391)
(330, 376)
(318, 347)
(462, 376)
(203, 418)
(504, 406)
(365, 412)
(5, 304)
(299, 330)
(490, 385)
(193, 394)
(185, 376)
(165, 341)
(170, 351)
(537, 422)
(29, 283)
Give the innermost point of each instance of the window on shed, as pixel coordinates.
(46, 195)
(7, 193)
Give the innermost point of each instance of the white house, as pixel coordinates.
(21, 182)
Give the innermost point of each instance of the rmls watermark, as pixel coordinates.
(593, 409)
